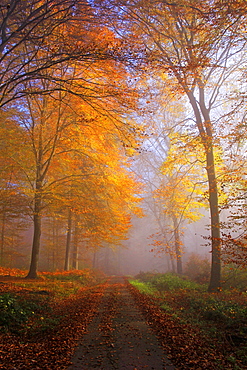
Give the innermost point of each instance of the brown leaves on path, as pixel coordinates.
(52, 348)
(118, 337)
(185, 345)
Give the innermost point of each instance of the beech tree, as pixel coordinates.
(196, 43)
(66, 145)
(101, 204)
(58, 74)
(44, 43)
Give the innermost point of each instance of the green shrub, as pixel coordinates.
(170, 282)
(212, 308)
(143, 287)
(15, 311)
(12, 313)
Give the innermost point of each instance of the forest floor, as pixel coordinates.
(107, 326)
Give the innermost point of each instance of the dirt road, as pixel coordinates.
(118, 337)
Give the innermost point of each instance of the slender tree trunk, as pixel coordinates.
(107, 261)
(57, 247)
(54, 240)
(68, 241)
(173, 265)
(177, 246)
(32, 274)
(215, 277)
(75, 246)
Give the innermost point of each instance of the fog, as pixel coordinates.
(137, 253)
(136, 256)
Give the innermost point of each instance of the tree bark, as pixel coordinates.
(32, 274)
(215, 276)
(75, 246)
(173, 269)
(68, 241)
(206, 134)
(177, 246)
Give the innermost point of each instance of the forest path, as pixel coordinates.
(118, 337)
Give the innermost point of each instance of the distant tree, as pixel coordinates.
(182, 190)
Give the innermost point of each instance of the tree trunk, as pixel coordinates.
(32, 274)
(107, 260)
(75, 246)
(215, 276)
(173, 269)
(54, 241)
(206, 134)
(68, 241)
(177, 246)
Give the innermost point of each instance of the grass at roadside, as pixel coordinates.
(222, 317)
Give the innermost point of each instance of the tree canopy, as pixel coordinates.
(84, 86)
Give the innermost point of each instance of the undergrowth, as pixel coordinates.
(17, 309)
(27, 306)
(218, 315)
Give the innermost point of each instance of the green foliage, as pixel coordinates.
(145, 276)
(16, 311)
(213, 308)
(12, 314)
(168, 282)
(31, 310)
(222, 319)
(42, 324)
(143, 287)
(165, 307)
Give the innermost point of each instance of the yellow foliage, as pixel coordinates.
(183, 189)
